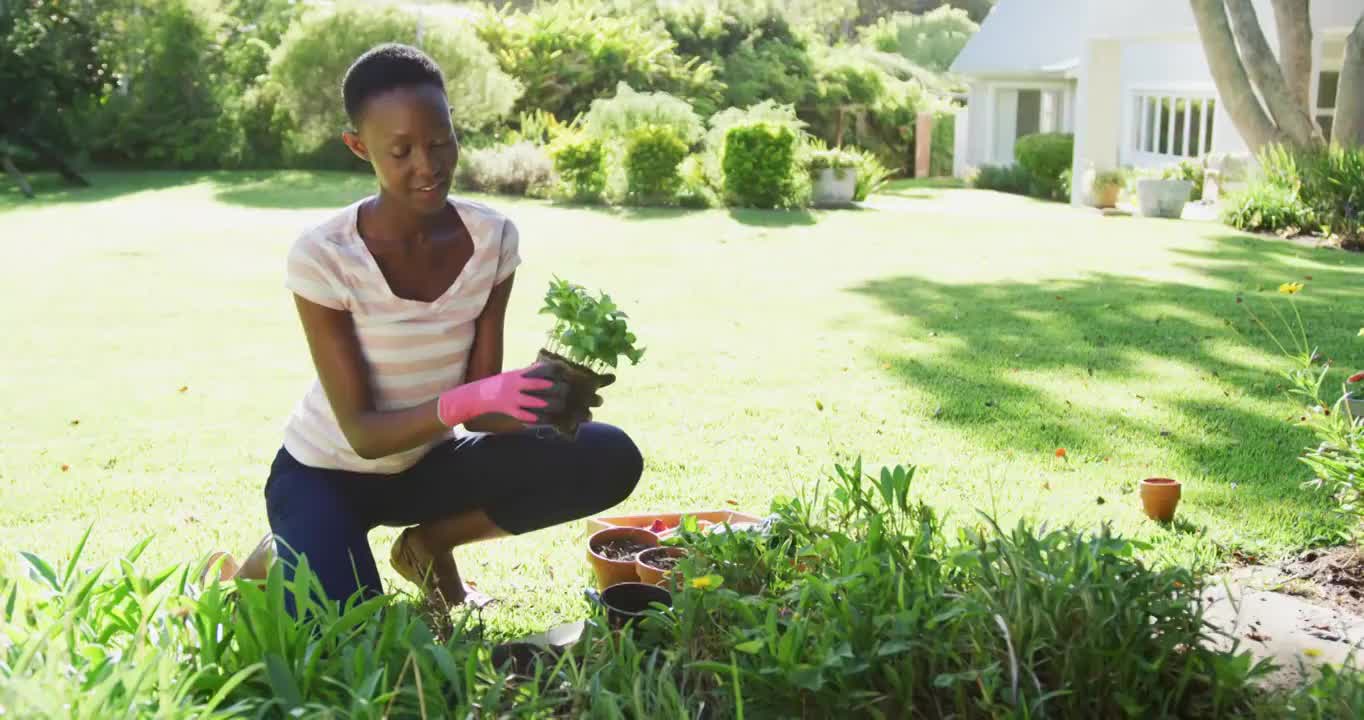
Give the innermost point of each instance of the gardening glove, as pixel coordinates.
(529, 395)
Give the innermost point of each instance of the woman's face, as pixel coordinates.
(407, 136)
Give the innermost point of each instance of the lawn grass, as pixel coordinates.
(153, 352)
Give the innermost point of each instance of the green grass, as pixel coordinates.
(968, 332)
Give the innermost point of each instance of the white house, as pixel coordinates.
(1127, 77)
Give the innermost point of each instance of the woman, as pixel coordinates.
(402, 297)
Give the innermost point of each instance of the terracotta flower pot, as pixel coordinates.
(1159, 497)
(582, 385)
(648, 573)
(611, 571)
(1106, 196)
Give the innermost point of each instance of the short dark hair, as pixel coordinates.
(383, 68)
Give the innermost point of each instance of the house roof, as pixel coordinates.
(1027, 37)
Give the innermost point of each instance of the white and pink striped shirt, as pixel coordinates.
(415, 350)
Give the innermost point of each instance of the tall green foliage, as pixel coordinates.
(627, 111)
(313, 57)
(568, 54)
(932, 40)
(759, 165)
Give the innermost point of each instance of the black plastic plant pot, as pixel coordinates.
(626, 602)
(582, 385)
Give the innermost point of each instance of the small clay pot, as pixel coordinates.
(611, 572)
(653, 575)
(1159, 497)
(629, 601)
(582, 385)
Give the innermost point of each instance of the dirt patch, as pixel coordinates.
(663, 562)
(621, 549)
(1336, 576)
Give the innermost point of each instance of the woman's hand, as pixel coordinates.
(529, 395)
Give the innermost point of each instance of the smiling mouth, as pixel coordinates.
(430, 188)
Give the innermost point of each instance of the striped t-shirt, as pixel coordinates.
(414, 350)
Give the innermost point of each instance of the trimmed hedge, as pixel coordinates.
(652, 156)
(758, 163)
(1046, 156)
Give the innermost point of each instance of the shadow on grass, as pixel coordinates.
(772, 218)
(104, 185)
(293, 189)
(1106, 334)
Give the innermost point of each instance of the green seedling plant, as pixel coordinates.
(589, 330)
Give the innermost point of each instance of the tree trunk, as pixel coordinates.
(17, 176)
(52, 157)
(1294, 21)
(1348, 128)
(1258, 60)
(1229, 75)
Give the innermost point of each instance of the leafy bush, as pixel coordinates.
(1267, 207)
(759, 161)
(581, 164)
(852, 603)
(167, 112)
(943, 147)
(871, 174)
(314, 55)
(652, 156)
(931, 40)
(620, 116)
(1014, 179)
(589, 330)
(520, 169)
(694, 188)
(869, 99)
(1190, 170)
(568, 54)
(758, 54)
(1332, 184)
(1046, 156)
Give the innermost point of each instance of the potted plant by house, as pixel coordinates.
(589, 337)
(1162, 197)
(834, 173)
(1107, 186)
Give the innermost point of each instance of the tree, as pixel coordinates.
(50, 66)
(1267, 97)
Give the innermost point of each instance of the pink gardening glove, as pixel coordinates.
(529, 395)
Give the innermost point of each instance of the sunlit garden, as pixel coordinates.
(898, 432)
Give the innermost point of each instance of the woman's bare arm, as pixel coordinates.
(485, 357)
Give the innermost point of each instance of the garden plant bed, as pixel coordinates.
(1335, 575)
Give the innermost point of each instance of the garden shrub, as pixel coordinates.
(931, 40)
(871, 174)
(1014, 179)
(1046, 156)
(1267, 207)
(581, 164)
(653, 154)
(694, 188)
(523, 168)
(316, 52)
(1332, 184)
(567, 54)
(856, 602)
(759, 161)
(167, 113)
(619, 116)
(943, 148)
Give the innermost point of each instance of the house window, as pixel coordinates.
(1175, 126)
(1327, 83)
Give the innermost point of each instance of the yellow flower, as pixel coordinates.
(1312, 652)
(1290, 288)
(1361, 332)
(707, 582)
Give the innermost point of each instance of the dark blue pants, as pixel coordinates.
(523, 482)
